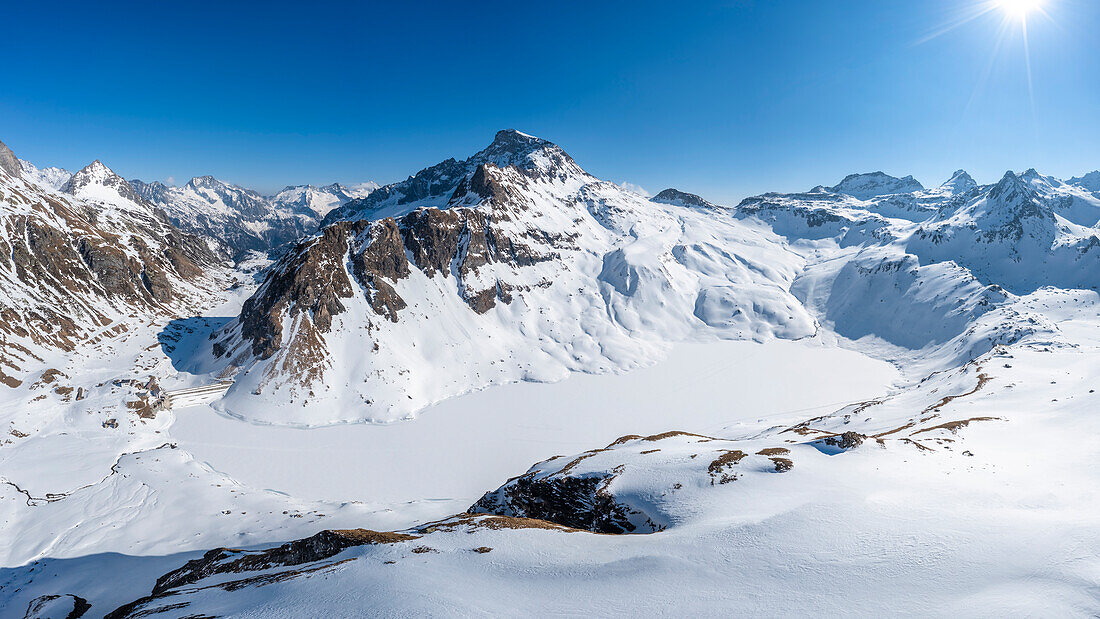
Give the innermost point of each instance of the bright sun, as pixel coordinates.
(1020, 8)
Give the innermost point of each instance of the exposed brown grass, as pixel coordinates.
(983, 378)
(774, 451)
(624, 439)
(782, 465)
(896, 430)
(367, 536)
(955, 426)
(581, 458)
(717, 468)
(662, 436)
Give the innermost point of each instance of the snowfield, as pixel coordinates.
(505, 387)
(471, 443)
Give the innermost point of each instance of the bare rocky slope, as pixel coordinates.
(88, 261)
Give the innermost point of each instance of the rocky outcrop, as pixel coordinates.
(577, 502)
(320, 546)
(65, 606)
(612, 490)
(682, 198)
(9, 163)
(313, 278)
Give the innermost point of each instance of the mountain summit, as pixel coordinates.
(434, 186)
(98, 182)
(960, 182)
(874, 184)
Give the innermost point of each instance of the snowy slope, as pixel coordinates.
(948, 498)
(546, 268)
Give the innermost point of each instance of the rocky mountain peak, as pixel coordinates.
(95, 177)
(961, 182)
(204, 181)
(8, 161)
(681, 198)
(1010, 188)
(526, 152)
(1010, 203)
(873, 184)
(155, 192)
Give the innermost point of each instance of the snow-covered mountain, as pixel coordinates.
(49, 177)
(241, 220)
(435, 185)
(1017, 234)
(874, 184)
(1090, 181)
(320, 200)
(88, 261)
(550, 269)
(526, 233)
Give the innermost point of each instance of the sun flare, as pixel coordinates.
(1020, 8)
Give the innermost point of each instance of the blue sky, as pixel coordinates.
(725, 99)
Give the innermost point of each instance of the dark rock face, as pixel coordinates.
(311, 278)
(433, 186)
(8, 161)
(57, 607)
(682, 198)
(848, 440)
(324, 545)
(321, 546)
(577, 502)
(383, 261)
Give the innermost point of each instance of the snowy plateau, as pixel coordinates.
(505, 387)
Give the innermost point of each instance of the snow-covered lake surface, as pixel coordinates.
(463, 447)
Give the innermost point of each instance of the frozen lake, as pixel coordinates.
(468, 445)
